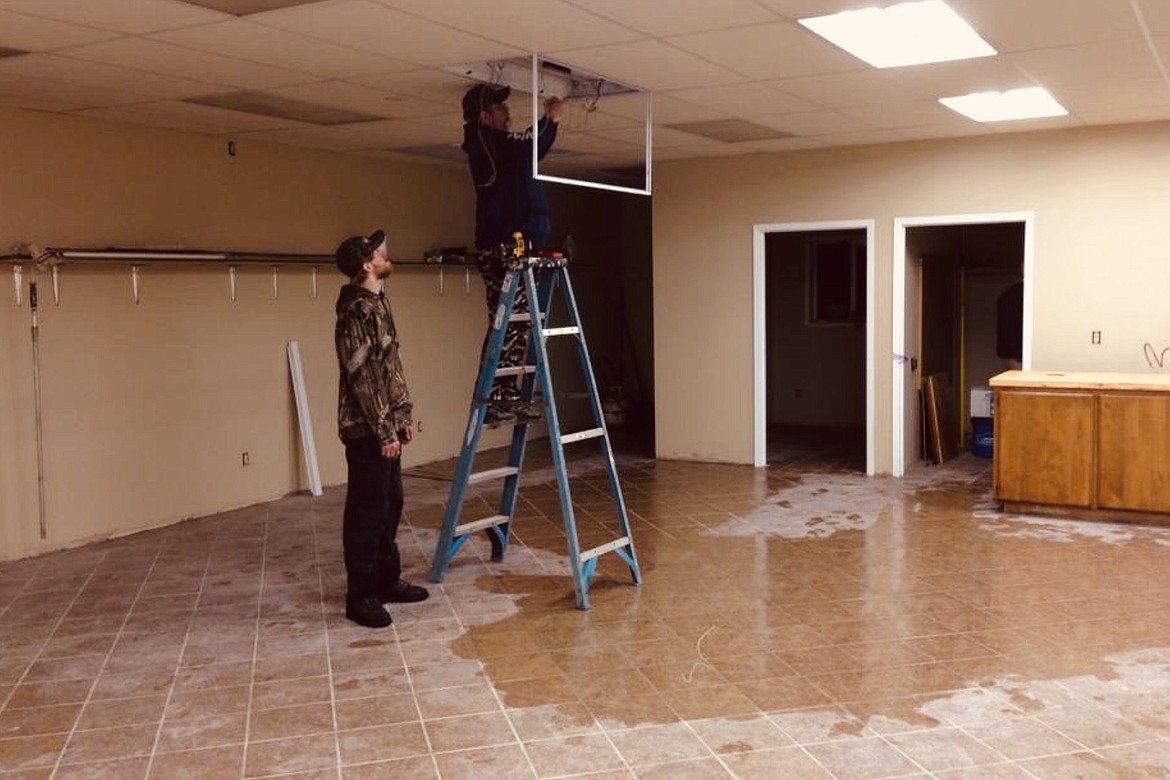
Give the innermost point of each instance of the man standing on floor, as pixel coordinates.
(374, 422)
(507, 200)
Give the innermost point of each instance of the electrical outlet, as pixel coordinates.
(418, 426)
(245, 459)
(1095, 337)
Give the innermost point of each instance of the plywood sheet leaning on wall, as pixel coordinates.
(940, 417)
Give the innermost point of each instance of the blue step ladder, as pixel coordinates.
(539, 278)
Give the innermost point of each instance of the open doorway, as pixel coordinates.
(963, 282)
(814, 356)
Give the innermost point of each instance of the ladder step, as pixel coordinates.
(490, 474)
(515, 370)
(476, 525)
(592, 433)
(526, 317)
(603, 549)
(571, 330)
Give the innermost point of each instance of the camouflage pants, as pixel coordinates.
(492, 269)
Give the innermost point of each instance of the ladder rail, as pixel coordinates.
(599, 414)
(447, 544)
(580, 585)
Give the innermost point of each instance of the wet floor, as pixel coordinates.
(793, 622)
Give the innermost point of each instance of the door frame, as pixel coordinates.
(759, 343)
(899, 353)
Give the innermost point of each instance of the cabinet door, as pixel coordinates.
(1133, 454)
(1044, 447)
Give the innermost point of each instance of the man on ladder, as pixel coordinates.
(507, 199)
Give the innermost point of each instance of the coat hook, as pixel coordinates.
(232, 281)
(314, 282)
(135, 282)
(275, 285)
(56, 286)
(18, 279)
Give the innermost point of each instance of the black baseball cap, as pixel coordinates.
(481, 97)
(354, 251)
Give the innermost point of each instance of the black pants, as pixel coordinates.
(373, 508)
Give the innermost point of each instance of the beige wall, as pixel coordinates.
(148, 406)
(1100, 199)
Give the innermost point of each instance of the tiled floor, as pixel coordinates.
(792, 624)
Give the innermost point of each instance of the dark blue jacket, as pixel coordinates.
(507, 198)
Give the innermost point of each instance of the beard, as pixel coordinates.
(382, 273)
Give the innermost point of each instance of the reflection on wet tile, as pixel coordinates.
(797, 621)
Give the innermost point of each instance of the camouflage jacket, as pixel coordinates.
(373, 399)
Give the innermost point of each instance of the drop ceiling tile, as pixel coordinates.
(679, 17)
(1122, 96)
(702, 148)
(942, 79)
(96, 75)
(669, 109)
(376, 28)
(353, 97)
(936, 132)
(747, 99)
(668, 138)
(806, 122)
(246, 40)
(19, 91)
(844, 89)
(131, 17)
(385, 134)
(1012, 25)
(163, 58)
(35, 33)
(1088, 63)
(1030, 125)
(885, 116)
(861, 137)
(785, 144)
(769, 51)
(529, 25)
(423, 83)
(1156, 14)
(189, 117)
(650, 65)
(1126, 115)
(802, 9)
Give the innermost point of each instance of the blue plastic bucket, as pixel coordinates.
(983, 432)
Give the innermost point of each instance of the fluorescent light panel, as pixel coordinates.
(1025, 103)
(903, 34)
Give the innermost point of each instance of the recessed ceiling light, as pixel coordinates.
(903, 34)
(1025, 103)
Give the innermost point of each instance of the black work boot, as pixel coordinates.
(402, 592)
(367, 611)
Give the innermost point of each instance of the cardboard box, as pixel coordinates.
(982, 402)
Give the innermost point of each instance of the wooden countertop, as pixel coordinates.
(1081, 380)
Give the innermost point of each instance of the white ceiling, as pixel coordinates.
(143, 61)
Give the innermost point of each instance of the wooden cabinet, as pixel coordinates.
(1083, 444)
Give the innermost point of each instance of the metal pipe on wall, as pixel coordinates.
(36, 366)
